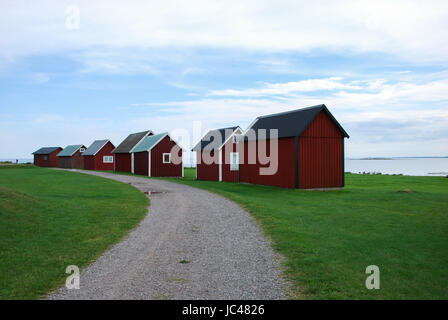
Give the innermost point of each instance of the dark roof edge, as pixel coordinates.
(103, 146)
(147, 133)
(71, 155)
(52, 148)
(323, 107)
(234, 129)
(335, 121)
(291, 111)
(225, 141)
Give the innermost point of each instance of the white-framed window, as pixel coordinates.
(234, 161)
(166, 158)
(108, 159)
(45, 158)
(82, 149)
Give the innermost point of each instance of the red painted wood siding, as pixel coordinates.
(322, 126)
(285, 175)
(89, 162)
(227, 174)
(42, 160)
(76, 161)
(141, 163)
(160, 169)
(104, 151)
(207, 171)
(52, 159)
(122, 162)
(321, 155)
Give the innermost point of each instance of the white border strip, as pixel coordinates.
(149, 163)
(233, 133)
(220, 164)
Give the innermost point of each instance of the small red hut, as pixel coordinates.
(46, 156)
(217, 156)
(99, 156)
(71, 157)
(122, 153)
(310, 150)
(158, 156)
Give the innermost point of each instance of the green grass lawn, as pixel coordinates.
(329, 238)
(50, 219)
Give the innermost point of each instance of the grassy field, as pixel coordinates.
(51, 219)
(398, 223)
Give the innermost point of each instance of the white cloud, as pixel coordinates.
(413, 30)
(309, 85)
(40, 77)
(117, 37)
(376, 113)
(117, 62)
(38, 130)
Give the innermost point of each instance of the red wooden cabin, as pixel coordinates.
(217, 155)
(122, 153)
(71, 157)
(99, 156)
(158, 156)
(310, 150)
(46, 156)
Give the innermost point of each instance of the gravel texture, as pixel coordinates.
(192, 244)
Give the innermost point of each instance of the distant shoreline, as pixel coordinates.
(373, 159)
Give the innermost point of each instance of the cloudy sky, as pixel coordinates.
(75, 71)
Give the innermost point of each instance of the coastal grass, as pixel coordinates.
(50, 219)
(398, 223)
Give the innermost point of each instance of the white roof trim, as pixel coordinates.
(158, 141)
(101, 148)
(82, 146)
(220, 147)
(175, 141)
(227, 140)
(147, 134)
(250, 126)
(199, 143)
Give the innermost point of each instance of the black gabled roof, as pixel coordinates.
(46, 150)
(292, 123)
(131, 141)
(209, 139)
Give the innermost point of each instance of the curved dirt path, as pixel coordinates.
(223, 252)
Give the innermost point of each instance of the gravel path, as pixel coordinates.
(225, 253)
